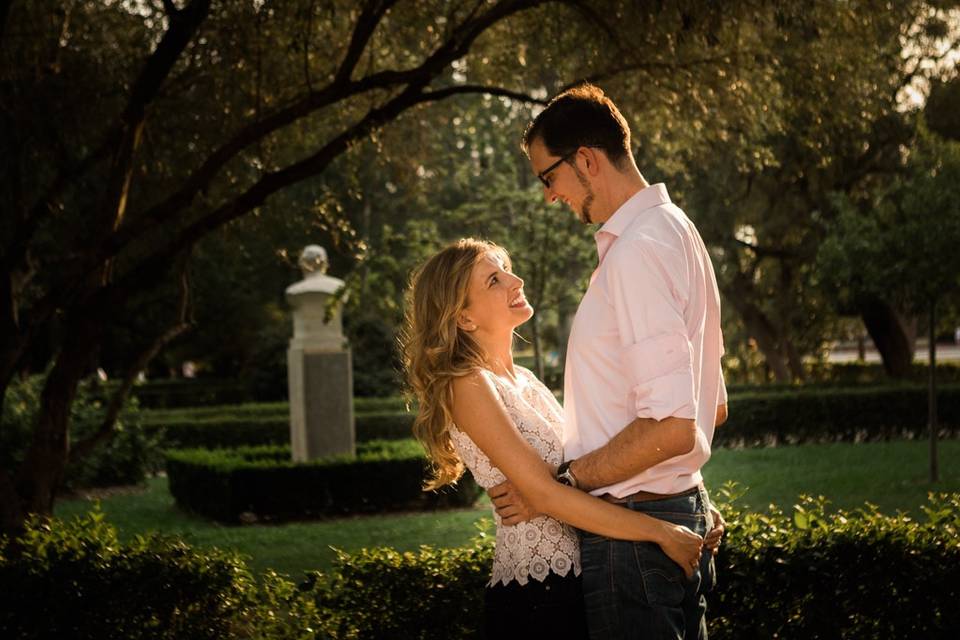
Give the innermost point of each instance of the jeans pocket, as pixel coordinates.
(664, 582)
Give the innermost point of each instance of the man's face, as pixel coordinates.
(565, 181)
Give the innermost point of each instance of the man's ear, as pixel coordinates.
(591, 158)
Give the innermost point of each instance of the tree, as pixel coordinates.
(132, 131)
(829, 85)
(124, 228)
(902, 245)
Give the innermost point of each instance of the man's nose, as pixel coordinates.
(549, 195)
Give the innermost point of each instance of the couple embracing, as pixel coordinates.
(603, 526)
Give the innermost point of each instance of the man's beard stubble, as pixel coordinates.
(584, 213)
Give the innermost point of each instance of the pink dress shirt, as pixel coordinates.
(646, 340)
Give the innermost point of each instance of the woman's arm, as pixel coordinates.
(478, 412)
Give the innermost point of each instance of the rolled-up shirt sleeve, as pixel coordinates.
(647, 287)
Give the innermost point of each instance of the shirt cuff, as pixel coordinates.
(661, 369)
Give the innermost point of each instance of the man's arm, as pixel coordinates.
(721, 415)
(642, 444)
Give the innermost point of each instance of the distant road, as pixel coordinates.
(945, 352)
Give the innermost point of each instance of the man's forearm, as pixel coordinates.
(642, 444)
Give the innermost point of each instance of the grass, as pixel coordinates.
(891, 475)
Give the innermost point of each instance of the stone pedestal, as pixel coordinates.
(319, 369)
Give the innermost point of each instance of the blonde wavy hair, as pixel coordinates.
(435, 350)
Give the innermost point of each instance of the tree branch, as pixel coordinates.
(415, 79)
(4, 15)
(121, 137)
(370, 16)
(106, 430)
(446, 92)
(332, 93)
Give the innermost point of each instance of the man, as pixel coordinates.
(643, 387)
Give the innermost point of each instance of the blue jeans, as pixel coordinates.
(633, 590)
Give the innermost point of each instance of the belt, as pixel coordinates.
(647, 496)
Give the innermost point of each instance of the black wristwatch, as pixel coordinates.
(565, 475)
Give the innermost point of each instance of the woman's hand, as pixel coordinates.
(682, 546)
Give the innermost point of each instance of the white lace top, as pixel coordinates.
(543, 544)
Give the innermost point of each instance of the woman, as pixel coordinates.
(477, 408)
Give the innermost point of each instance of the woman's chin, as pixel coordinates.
(524, 313)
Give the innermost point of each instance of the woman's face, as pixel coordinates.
(495, 300)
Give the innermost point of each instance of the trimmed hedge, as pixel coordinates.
(810, 575)
(795, 576)
(834, 415)
(78, 582)
(75, 580)
(228, 484)
(787, 416)
(216, 432)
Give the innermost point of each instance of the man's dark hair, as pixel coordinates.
(582, 116)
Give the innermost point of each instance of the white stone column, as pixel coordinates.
(319, 368)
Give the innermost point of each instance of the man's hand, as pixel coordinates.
(712, 540)
(509, 504)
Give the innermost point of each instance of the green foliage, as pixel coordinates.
(798, 575)
(858, 574)
(75, 580)
(901, 242)
(223, 431)
(386, 475)
(800, 415)
(381, 593)
(794, 576)
(126, 458)
(188, 392)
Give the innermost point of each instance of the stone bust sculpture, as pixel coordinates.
(313, 260)
(313, 264)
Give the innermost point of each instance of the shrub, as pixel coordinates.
(810, 575)
(226, 431)
(125, 459)
(382, 593)
(76, 580)
(384, 476)
(842, 575)
(191, 392)
(839, 414)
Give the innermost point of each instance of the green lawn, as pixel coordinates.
(890, 475)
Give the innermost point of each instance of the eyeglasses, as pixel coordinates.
(542, 176)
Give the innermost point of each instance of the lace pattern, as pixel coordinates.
(543, 544)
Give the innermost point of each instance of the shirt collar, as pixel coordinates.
(647, 198)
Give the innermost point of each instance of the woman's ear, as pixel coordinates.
(464, 322)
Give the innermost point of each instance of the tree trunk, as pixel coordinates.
(889, 334)
(39, 475)
(932, 396)
(763, 331)
(794, 360)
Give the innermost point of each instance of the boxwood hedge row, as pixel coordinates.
(233, 485)
(794, 576)
(212, 431)
(798, 576)
(848, 414)
(786, 416)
